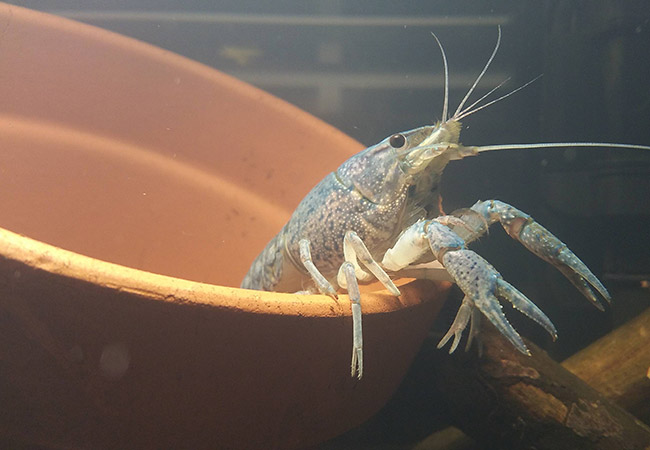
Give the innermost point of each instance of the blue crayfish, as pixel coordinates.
(377, 216)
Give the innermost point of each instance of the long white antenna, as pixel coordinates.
(489, 148)
(444, 62)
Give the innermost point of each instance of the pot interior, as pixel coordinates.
(144, 158)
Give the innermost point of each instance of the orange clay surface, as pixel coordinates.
(136, 187)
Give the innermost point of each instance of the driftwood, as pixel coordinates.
(618, 366)
(507, 400)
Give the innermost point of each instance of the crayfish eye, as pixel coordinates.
(397, 141)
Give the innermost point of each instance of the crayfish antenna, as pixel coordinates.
(462, 113)
(489, 148)
(445, 104)
(468, 111)
(485, 96)
(459, 113)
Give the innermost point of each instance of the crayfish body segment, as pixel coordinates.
(377, 214)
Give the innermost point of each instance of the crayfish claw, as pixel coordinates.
(582, 278)
(481, 283)
(546, 245)
(521, 303)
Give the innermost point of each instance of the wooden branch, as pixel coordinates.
(508, 400)
(618, 365)
(615, 365)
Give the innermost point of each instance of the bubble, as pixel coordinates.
(114, 360)
(570, 154)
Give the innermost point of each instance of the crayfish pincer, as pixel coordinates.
(377, 215)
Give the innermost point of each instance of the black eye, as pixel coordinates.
(397, 141)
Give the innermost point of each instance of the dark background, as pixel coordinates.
(371, 68)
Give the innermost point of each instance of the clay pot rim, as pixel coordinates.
(71, 265)
(74, 266)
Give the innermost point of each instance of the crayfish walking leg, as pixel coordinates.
(349, 273)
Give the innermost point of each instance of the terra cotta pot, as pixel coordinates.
(137, 187)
